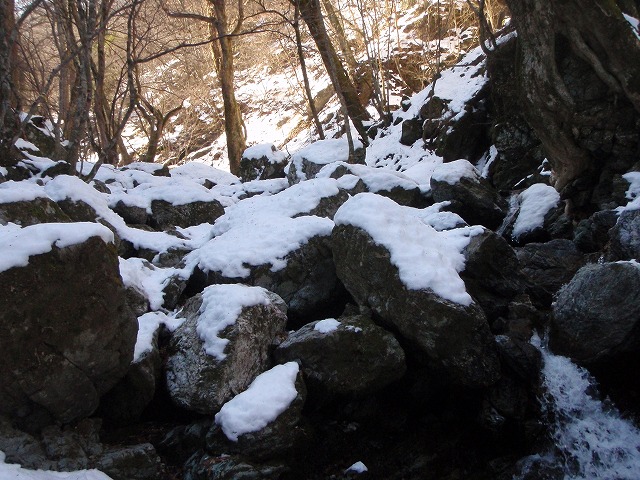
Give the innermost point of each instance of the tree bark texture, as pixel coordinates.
(222, 49)
(311, 13)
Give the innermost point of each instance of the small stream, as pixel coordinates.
(591, 439)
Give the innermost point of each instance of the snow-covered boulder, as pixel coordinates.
(262, 420)
(351, 356)
(388, 183)
(308, 161)
(392, 261)
(262, 162)
(548, 266)
(276, 242)
(539, 209)
(222, 345)
(470, 196)
(596, 315)
(59, 361)
(26, 204)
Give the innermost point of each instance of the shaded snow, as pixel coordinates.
(425, 257)
(269, 395)
(632, 193)
(357, 467)
(146, 278)
(18, 243)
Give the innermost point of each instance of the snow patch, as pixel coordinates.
(452, 172)
(327, 325)
(633, 192)
(12, 471)
(357, 467)
(265, 150)
(269, 395)
(535, 202)
(20, 192)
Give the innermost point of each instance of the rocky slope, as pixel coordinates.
(309, 318)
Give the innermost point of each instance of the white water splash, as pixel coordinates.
(592, 439)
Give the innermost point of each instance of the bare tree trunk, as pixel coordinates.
(305, 76)
(312, 15)
(341, 37)
(222, 48)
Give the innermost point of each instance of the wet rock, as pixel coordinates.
(205, 466)
(131, 214)
(349, 357)
(493, 284)
(411, 131)
(595, 316)
(239, 323)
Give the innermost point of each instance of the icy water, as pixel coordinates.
(592, 440)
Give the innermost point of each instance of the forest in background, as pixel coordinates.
(102, 69)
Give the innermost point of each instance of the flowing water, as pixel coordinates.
(592, 440)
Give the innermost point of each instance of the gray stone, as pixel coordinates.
(165, 215)
(625, 236)
(596, 315)
(454, 338)
(355, 359)
(203, 383)
(61, 360)
(549, 266)
(38, 210)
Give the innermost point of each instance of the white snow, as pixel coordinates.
(635, 24)
(535, 203)
(375, 179)
(425, 257)
(4, 171)
(262, 242)
(18, 243)
(327, 325)
(267, 397)
(22, 144)
(148, 324)
(260, 230)
(12, 471)
(221, 307)
(199, 172)
(357, 467)
(265, 150)
(146, 278)
(452, 172)
(632, 193)
(20, 192)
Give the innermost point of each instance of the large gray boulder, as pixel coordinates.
(549, 266)
(57, 362)
(222, 345)
(349, 357)
(471, 196)
(411, 283)
(596, 316)
(166, 215)
(625, 236)
(492, 273)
